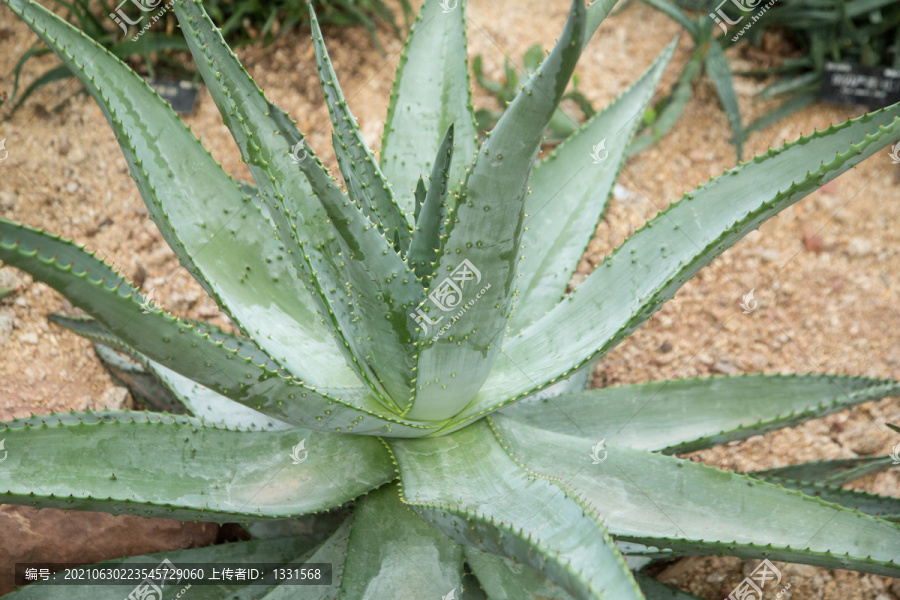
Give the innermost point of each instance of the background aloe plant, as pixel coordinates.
(463, 457)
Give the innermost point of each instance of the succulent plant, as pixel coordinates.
(408, 350)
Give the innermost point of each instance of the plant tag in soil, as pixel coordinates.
(848, 83)
(179, 93)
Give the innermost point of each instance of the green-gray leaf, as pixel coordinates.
(720, 74)
(495, 505)
(209, 223)
(569, 193)
(669, 503)
(364, 179)
(430, 217)
(484, 234)
(357, 277)
(221, 476)
(684, 415)
(240, 373)
(431, 92)
(657, 260)
(393, 554)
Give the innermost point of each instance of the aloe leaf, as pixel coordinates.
(168, 387)
(430, 93)
(720, 74)
(503, 579)
(832, 472)
(495, 505)
(596, 13)
(364, 178)
(143, 385)
(656, 590)
(677, 15)
(657, 260)
(568, 197)
(671, 112)
(194, 351)
(393, 554)
(484, 234)
(206, 404)
(333, 550)
(129, 370)
(96, 416)
(421, 192)
(430, 219)
(684, 415)
(885, 507)
(207, 221)
(339, 254)
(788, 107)
(225, 476)
(273, 552)
(644, 497)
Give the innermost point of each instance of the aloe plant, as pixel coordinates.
(407, 349)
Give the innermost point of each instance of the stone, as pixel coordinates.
(116, 398)
(53, 535)
(30, 338)
(858, 247)
(7, 324)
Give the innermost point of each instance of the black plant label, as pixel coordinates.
(848, 83)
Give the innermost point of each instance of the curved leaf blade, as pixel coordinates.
(333, 550)
(684, 415)
(336, 250)
(430, 217)
(504, 579)
(720, 74)
(240, 373)
(430, 93)
(885, 507)
(654, 263)
(368, 185)
(832, 472)
(393, 554)
(484, 232)
(675, 504)
(656, 590)
(570, 190)
(224, 475)
(493, 504)
(208, 222)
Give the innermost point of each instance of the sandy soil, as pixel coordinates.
(824, 271)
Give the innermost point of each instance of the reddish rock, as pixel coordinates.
(54, 535)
